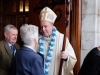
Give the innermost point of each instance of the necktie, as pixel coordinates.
(13, 49)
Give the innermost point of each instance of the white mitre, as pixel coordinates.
(48, 15)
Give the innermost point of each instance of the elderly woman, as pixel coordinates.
(27, 61)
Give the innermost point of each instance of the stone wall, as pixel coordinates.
(90, 37)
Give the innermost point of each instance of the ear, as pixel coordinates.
(36, 40)
(5, 34)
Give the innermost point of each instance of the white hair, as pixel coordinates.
(8, 27)
(28, 33)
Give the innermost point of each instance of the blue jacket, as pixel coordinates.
(28, 62)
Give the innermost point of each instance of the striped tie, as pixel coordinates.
(13, 49)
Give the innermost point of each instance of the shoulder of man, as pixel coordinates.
(59, 33)
(2, 42)
(17, 46)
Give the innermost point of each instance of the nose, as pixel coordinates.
(43, 28)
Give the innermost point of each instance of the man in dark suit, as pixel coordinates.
(6, 53)
(27, 61)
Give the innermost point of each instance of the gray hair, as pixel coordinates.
(8, 27)
(28, 33)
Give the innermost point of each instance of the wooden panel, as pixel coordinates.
(13, 19)
(76, 32)
(1, 28)
(9, 14)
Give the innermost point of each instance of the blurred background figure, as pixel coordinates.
(8, 49)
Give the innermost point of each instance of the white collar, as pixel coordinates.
(29, 47)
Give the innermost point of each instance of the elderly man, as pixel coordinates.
(8, 48)
(50, 46)
(27, 61)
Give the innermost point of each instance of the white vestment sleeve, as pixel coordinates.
(70, 63)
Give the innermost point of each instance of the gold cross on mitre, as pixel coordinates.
(48, 15)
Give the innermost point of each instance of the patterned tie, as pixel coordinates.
(13, 49)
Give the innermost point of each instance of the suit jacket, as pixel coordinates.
(6, 57)
(28, 62)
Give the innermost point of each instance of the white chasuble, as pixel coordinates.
(68, 65)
